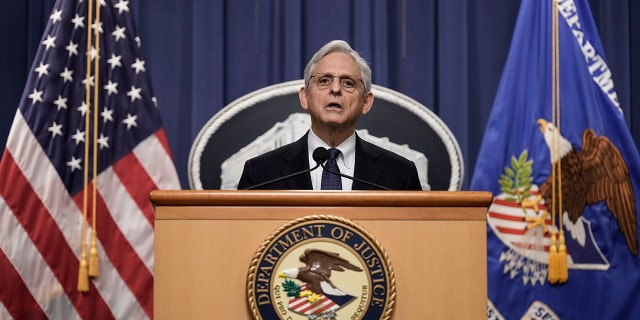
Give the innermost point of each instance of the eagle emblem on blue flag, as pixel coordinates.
(595, 174)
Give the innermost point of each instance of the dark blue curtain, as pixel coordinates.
(447, 54)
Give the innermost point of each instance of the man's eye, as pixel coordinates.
(325, 80)
(348, 82)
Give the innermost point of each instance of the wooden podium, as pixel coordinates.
(205, 241)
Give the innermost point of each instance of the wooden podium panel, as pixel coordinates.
(205, 241)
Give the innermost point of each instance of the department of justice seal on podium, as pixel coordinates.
(321, 267)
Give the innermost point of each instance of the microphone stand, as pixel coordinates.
(355, 179)
(295, 174)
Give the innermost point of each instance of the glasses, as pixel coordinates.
(324, 80)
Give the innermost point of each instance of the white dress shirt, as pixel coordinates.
(346, 160)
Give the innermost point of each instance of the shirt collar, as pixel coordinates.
(347, 149)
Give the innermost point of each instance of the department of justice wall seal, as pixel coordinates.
(321, 267)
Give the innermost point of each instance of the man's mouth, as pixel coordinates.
(333, 106)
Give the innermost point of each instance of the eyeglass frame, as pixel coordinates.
(340, 77)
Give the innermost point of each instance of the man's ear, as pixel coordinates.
(368, 103)
(302, 94)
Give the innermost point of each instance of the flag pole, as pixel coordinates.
(93, 252)
(562, 249)
(83, 272)
(558, 272)
(553, 248)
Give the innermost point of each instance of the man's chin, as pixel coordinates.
(337, 124)
(333, 121)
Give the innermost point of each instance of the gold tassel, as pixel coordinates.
(553, 260)
(563, 270)
(93, 256)
(83, 275)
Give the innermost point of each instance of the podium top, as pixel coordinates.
(321, 198)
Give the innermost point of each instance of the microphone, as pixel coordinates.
(320, 155)
(349, 177)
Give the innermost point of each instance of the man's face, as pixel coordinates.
(333, 107)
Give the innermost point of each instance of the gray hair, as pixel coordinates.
(340, 46)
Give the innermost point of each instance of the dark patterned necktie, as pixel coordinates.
(331, 181)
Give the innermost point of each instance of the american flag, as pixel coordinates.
(302, 305)
(42, 172)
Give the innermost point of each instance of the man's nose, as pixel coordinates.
(335, 85)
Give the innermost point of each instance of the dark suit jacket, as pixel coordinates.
(373, 164)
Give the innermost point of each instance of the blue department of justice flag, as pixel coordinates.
(43, 166)
(600, 174)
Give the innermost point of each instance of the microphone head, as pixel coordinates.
(320, 155)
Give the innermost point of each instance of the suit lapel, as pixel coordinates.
(295, 160)
(366, 167)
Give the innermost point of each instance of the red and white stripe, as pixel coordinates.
(508, 221)
(303, 306)
(40, 226)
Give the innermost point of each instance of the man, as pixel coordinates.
(337, 91)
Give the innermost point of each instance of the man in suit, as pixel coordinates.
(337, 91)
